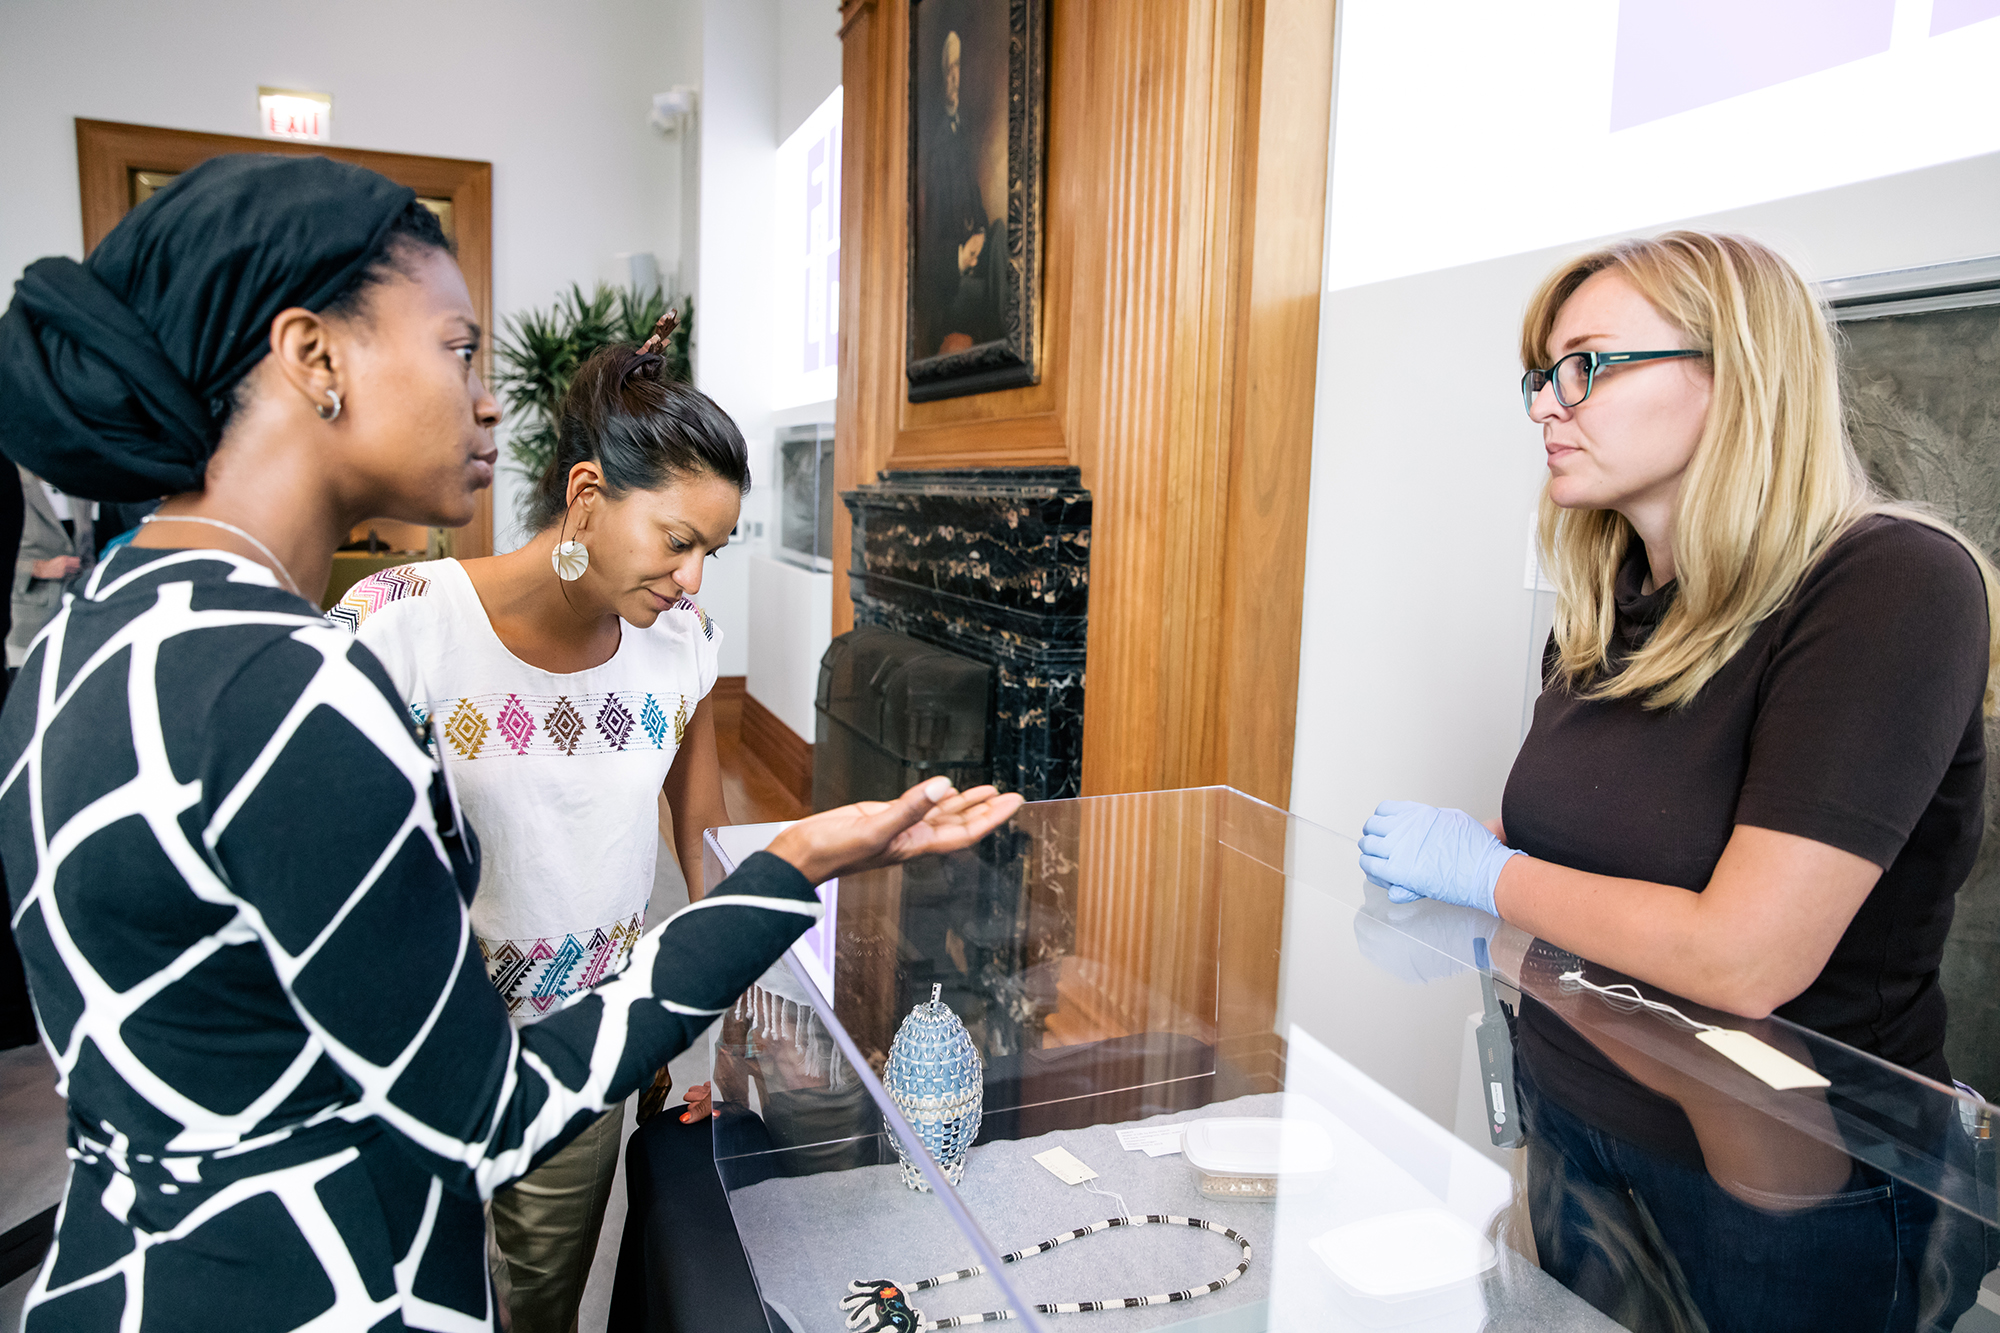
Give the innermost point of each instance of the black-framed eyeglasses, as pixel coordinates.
(1575, 374)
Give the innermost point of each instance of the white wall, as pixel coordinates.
(808, 59)
(1416, 634)
(555, 96)
(794, 623)
(765, 64)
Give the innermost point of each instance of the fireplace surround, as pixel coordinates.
(992, 564)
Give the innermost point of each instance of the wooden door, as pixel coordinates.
(119, 166)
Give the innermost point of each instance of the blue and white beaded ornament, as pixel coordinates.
(937, 1080)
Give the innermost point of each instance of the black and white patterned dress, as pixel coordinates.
(241, 897)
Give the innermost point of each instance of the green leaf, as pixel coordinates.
(538, 351)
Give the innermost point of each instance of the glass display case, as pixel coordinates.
(1390, 1116)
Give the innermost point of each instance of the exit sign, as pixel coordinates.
(285, 114)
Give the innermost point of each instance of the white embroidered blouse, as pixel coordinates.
(557, 773)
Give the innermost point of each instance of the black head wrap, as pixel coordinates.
(114, 372)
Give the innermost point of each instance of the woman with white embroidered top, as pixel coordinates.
(564, 686)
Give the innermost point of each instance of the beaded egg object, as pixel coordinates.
(936, 1078)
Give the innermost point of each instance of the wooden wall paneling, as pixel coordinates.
(1250, 846)
(1148, 901)
(107, 152)
(1154, 446)
(778, 748)
(1185, 210)
(1271, 451)
(1104, 989)
(874, 144)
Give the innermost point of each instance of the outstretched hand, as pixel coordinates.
(927, 820)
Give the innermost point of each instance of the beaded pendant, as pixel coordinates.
(937, 1080)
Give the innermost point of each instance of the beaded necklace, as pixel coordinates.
(882, 1304)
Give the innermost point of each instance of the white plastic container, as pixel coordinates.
(1416, 1267)
(1254, 1159)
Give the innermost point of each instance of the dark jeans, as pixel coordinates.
(1658, 1245)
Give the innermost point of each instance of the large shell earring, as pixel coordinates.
(570, 559)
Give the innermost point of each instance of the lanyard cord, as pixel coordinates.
(883, 1305)
(1626, 997)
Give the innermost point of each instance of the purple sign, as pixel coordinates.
(1675, 57)
(1949, 14)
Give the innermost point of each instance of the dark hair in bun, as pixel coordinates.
(643, 430)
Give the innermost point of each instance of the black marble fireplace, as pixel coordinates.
(992, 564)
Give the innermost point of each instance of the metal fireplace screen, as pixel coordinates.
(892, 712)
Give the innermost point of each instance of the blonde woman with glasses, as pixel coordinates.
(1754, 779)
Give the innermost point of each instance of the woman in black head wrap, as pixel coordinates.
(237, 879)
(237, 343)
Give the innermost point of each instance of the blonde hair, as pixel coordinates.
(1773, 481)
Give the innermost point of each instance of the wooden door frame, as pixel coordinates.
(107, 152)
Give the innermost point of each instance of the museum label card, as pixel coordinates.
(1766, 1062)
(1065, 1167)
(1156, 1141)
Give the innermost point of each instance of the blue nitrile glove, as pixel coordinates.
(1415, 850)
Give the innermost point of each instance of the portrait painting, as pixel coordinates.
(976, 167)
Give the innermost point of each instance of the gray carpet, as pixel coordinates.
(865, 1224)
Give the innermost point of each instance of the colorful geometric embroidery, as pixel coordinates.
(701, 616)
(505, 966)
(376, 591)
(607, 947)
(615, 721)
(542, 973)
(554, 980)
(564, 725)
(488, 726)
(466, 729)
(654, 719)
(517, 728)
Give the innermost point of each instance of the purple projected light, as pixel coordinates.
(1675, 57)
(1949, 14)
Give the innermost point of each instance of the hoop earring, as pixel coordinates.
(570, 560)
(570, 557)
(334, 414)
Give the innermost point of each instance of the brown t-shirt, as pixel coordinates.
(1851, 717)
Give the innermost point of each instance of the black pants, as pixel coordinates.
(681, 1268)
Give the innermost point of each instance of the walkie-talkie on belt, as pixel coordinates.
(1496, 1058)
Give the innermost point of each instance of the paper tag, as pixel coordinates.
(1158, 1141)
(1766, 1062)
(1065, 1167)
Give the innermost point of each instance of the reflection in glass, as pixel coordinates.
(1133, 968)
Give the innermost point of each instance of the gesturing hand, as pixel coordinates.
(927, 820)
(1416, 850)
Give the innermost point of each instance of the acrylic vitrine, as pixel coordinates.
(1197, 997)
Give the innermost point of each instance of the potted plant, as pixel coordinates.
(539, 351)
